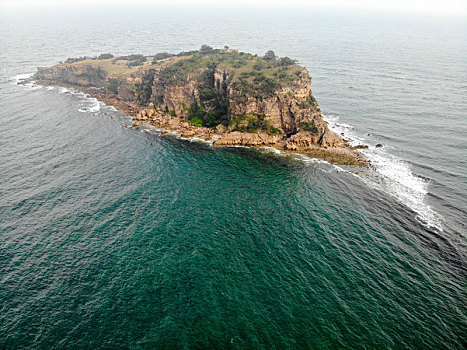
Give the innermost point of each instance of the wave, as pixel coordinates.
(20, 77)
(96, 108)
(391, 175)
(391, 76)
(32, 85)
(388, 173)
(63, 90)
(93, 108)
(345, 130)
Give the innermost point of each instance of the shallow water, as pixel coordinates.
(111, 237)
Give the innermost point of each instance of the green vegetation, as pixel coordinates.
(102, 56)
(273, 69)
(78, 59)
(219, 74)
(252, 123)
(205, 49)
(196, 121)
(213, 106)
(255, 83)
(306, 126)
(269, 56)
(134, 60)
(161, 56)
(144, 89)
(112, 85)
(285, 61)
(176, 73)
(312, 99)
(105, 56)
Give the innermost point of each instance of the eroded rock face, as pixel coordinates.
(82, 75)
(257, 139)
(292, 115)
(179, 98)
(287, 109)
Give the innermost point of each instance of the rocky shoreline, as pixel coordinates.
(225, 97)
(217, 137)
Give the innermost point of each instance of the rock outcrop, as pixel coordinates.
(80, 75)
(229, 97)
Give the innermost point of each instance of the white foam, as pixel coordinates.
(32, 85)
(346, 130)
(394, 177)
(96, 108)
(272, 150)
(391, 175)
(20, 77)
(309, 160)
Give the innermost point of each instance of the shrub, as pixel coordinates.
(269, 56)
(187, 53)
(257, 66)
(254, 122)
(134, 60)
(137, 62)
(205, 49)
(111, 85)
(265, 87)
(176, 74)
(272, 131)
(104, 56)
(133, 57)
(161, 56)
(196, 121)
(312, 99)
(307, 126)
(76, 59)
(286, 61)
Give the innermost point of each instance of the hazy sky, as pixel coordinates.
(432, 7)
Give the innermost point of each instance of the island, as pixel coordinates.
(223, 96)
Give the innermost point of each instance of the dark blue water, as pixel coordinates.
(111, 237)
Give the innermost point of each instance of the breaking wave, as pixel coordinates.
(390, 175)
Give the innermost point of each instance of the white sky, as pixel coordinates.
(430, 7)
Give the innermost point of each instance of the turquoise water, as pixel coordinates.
(116, 238)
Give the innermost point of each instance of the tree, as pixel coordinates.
(161, 56)
(286, 61)
(205, 49)
(104, 56)
(269, 56)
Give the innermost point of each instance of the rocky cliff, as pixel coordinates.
(230, 97)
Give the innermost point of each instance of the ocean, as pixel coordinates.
(118, 238)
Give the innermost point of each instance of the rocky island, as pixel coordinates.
(223, 96)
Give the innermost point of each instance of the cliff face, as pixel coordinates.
(82, 75)
(247, 100)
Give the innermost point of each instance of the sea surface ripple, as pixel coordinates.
(118, 238)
